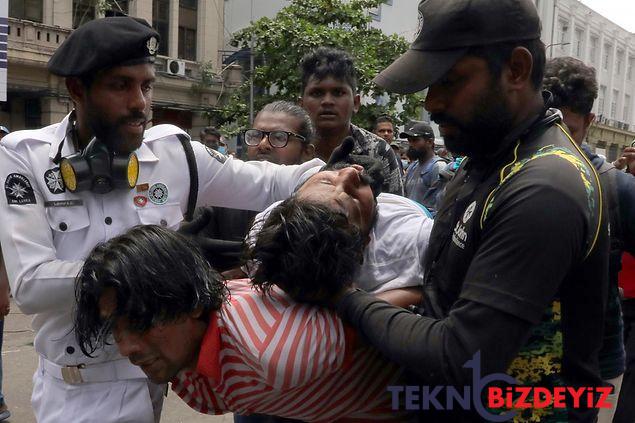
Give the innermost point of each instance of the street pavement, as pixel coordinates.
(19, 361)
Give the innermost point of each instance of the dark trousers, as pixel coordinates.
(625, 412)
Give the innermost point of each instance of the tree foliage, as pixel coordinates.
(304, 25)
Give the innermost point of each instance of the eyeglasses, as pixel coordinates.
(277, 139)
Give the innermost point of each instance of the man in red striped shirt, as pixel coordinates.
(170, 314)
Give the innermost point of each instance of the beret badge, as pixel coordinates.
(152, 44)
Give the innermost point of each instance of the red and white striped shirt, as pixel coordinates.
(269, 354)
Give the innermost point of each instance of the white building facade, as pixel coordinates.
(571, 28)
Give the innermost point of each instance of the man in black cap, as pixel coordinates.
(423, 181)
(515, 284)
(74, 184)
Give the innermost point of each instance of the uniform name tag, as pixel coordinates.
(63, 203)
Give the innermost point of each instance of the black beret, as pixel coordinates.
(104, 43)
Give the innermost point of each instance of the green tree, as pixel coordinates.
(304, 25)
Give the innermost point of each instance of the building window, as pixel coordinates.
(593, 49)
(187, 43)
(83, 11)
(578, 42)
(616, 94)
(627, 108)
(629, 69)
(161, 23)
(601, 98)
(563, 32)
(375, 13)
(606, 56)
(32, 113)
(619, 62)
(188, 20)
(31, 10)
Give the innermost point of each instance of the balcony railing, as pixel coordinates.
(35, 37)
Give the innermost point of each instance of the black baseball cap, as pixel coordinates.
(417, 129)
(104, 43)
(448, 29)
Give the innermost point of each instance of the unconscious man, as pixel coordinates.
(394, 229)
(171, 314)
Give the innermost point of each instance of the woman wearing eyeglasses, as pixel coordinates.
(282, 134)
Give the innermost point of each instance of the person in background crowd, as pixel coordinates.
(423, 181)
(516, 277)
(212, 138)
(282, 133)
(574, 88)
(445, 155)
(90, 177)
(385, 128)
(170, 313)
(329, 95)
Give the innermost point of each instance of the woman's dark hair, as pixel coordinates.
(308, 250)
(291, 109)
(158, 276)
(497, 55)
(328, 61)
(572, 83)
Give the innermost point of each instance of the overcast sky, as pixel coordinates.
(622, 12)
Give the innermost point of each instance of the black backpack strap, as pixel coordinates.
(191, 164)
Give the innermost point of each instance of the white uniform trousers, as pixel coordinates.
(121, 401)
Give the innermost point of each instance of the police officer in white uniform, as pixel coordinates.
(79, 182)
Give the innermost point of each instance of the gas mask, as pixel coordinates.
(99, 170)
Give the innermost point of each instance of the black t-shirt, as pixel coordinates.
(516, 269)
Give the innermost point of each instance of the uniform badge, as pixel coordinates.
(469, 211)
(215, 154)
(153, 45)
(140, 200)
(19, 190)
(54, 181)
(143, 187)
(158, 193)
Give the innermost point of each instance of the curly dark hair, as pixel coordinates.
(572, 83)
(308, 250)
(328, 61)
(158, 275)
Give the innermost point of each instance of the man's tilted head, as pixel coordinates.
(309, 250)
(153, 291)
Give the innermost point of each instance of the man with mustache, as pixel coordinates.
(329, 95)
(249, 351)
(516, 278)
(424, 183)
(64, 193)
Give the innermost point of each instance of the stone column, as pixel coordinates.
(173, 39)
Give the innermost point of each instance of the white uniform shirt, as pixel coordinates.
(398, 242)
(47, 231)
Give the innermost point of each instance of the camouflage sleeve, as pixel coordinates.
(393, 183)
